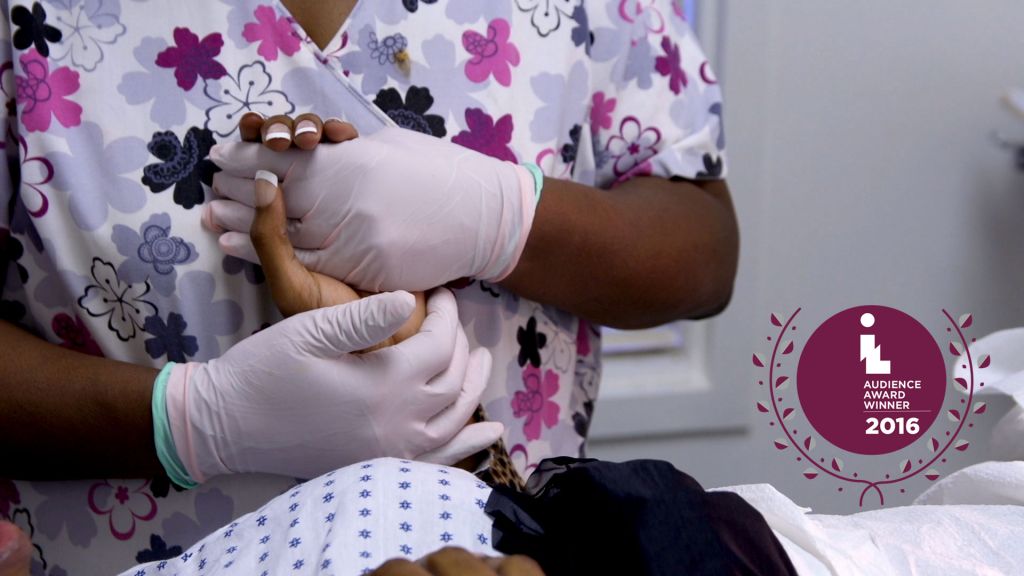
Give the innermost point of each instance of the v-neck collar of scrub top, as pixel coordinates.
(361, 112)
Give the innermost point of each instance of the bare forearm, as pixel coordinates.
(647, 252)
(67, 415)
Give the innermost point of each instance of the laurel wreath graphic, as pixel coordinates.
(778, 382)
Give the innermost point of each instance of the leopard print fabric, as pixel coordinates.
(501, 471)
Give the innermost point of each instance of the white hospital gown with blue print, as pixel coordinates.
(113, 106)
(346, 522)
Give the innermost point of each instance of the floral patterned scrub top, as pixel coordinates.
(113, 106)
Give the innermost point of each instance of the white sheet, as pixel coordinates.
(1004, 375)
(970, 523)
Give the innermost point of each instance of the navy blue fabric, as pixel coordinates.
(584, 516)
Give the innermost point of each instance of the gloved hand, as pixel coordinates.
(293, 400)
(393, 210)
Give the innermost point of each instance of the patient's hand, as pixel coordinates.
(452, 561)
(294, 287)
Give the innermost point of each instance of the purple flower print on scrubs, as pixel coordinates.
(193, 58)
(42, 93)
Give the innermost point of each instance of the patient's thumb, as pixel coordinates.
(15, 550)
(269, 202)
(269, 235)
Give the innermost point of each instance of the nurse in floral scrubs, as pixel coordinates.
(113, 110)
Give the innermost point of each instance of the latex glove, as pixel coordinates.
(393, 210)
(292, 400)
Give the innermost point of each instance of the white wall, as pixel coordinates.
(863, 173)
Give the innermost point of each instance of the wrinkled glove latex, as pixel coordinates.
(293, 400)
(393, 210)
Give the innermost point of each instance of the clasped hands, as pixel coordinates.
(347, 375)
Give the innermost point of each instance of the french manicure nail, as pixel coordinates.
(278, 132)
(267, 176)
(305, 126)
(265, 194)
(333, 119)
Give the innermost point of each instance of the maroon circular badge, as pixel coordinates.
(871, 380)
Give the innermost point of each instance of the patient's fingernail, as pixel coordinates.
(268, 176)
(278, 132)
(333, 119)
(305, 126)
(266, 188)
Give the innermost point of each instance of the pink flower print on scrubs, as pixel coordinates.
(74, 334)
(491, 55)
(601, 108)
(642, 14)
(123, 503)
(193, 58)
(534, 403)
(274, 33)
(633, 145)
(670, 65)
(42, 94)
(583, 339)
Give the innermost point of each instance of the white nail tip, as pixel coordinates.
(305, 129)
(267, 176)
(278, 136)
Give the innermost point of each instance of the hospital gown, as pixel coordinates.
(346, 522)
(113, 106)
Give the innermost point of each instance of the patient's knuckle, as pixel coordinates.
(267, 242)
(261, 234)
(519, 566)
(395, 567)
(289, 306)
(447, 556)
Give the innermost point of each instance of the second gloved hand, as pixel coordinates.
(393, 210)
(294, 400)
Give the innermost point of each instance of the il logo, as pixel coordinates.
(871, 353)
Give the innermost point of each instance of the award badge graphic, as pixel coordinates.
(870, 382)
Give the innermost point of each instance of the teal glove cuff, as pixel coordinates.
(165, 449)
(538, 177)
